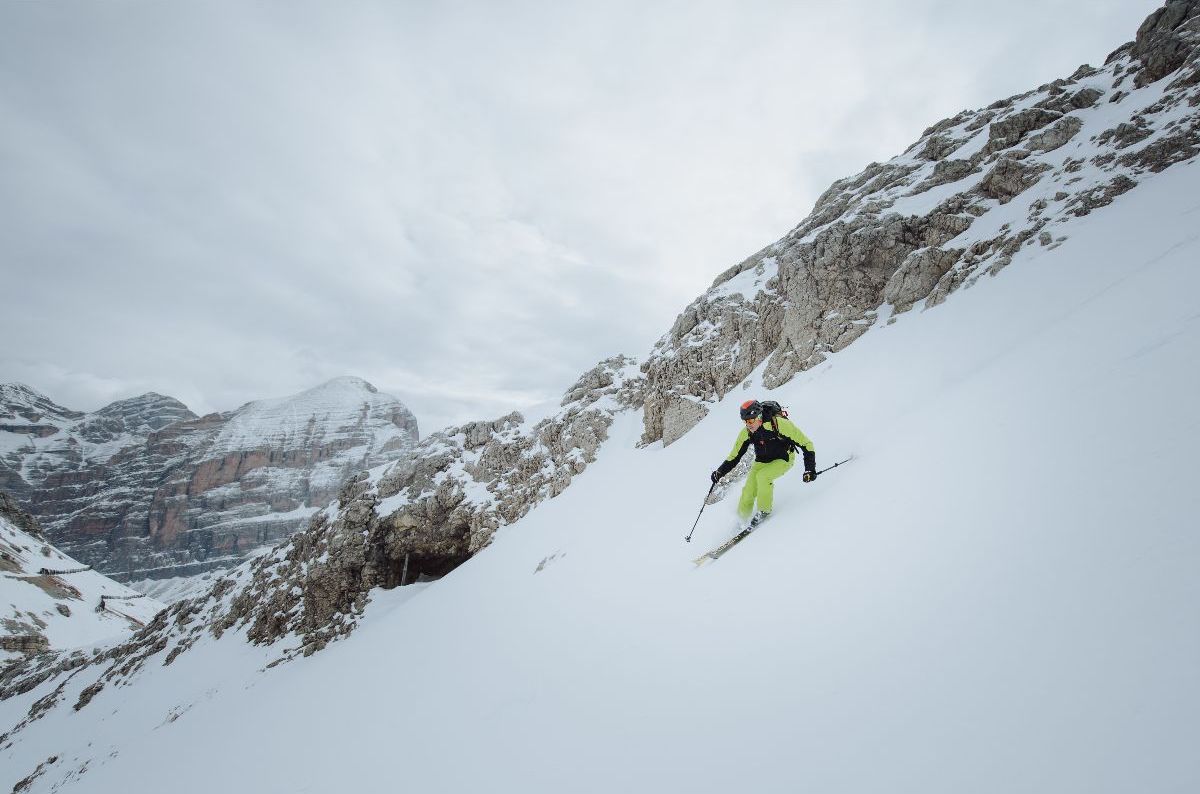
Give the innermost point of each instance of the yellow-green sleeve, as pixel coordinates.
(789, 429)
(739, 446)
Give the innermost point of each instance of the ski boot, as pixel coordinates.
(759, 517)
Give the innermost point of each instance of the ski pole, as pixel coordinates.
(834, 466)
(710, 490)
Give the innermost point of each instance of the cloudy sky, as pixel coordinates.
(466, 203)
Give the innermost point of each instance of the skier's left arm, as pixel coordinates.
(739, 448)
(789, 429)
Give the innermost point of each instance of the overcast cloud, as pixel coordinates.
(467, 204)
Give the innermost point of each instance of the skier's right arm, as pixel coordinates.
(739, 448)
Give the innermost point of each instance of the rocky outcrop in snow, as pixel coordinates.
(934, 219)
(428, 514)
(144, 487)
(49, 601)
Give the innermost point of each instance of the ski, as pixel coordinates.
(724, 547)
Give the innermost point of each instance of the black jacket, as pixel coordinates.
(773, 440)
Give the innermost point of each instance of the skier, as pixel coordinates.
(775, 444)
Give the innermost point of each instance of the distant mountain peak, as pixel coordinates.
(340, 406)
(346, 382)
(19, 401)
(150, 403)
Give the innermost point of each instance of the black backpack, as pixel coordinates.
(770, 411)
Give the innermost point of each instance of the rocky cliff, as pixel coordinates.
(145, 488)
(425, 515)
(905, 234)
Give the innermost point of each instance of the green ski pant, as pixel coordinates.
(760, 485)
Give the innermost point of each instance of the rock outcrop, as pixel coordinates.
(426, 515)
(145, 488)
(1166, 43)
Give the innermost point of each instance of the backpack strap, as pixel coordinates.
(792, 445)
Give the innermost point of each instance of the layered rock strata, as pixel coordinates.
(145, 488)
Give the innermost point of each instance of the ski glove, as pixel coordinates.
(809, 476)
(722, 470)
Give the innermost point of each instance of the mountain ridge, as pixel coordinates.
(144, 487)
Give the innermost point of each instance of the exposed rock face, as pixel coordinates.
(25, 414)
(12, 512)
(682, 415)
(464, 483)
(1009, 178)
(947, 171)
(1056, 135)
(1008, 131)
(145, 488)
(912, 230)
(1166, 41)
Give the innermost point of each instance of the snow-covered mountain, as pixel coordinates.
(145, 488)
(998, 594)
(39, 438)
(50, 602)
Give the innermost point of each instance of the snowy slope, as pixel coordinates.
(999, 594)
(177, 588)
(60, 608)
